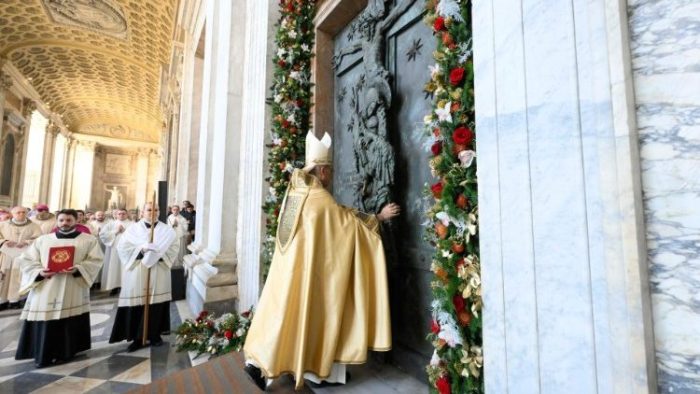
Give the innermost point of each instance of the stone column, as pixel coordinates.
(252, 152)
(141, 194)
(28, 108)
(212, 284)
(47, 162)
(81, 188)
(67, 183)
(564, 271)
(184, 130)
(5, 85)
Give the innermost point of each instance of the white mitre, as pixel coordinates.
(318, 152)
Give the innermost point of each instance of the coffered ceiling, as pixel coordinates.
(95, 62)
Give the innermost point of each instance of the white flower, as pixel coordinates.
(434, 70)
(466, 157)
(278, 98)
(465, 50)
(281, 52)
(446, 254)
(240, 332)
(305, 48)
(448, 327)
(273, 192)
(435, 360)
(288, 167)
(444, 114)
(449, 9)
(292, 34)
(444, 218)
(291, 119)
(428, 120)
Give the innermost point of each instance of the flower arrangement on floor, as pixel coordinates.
(455, 332)
(208, 334)
(291, 106)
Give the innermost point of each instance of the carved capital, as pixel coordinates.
(143, 151)
(52, 129)
(5, 81)
(28, 107)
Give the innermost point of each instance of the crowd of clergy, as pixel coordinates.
(115, 252)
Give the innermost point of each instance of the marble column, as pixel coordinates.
(81, 188)
(68, 164)
(252, 151)
(47, 162)
(564, 269)
(665, 43)
(28, 108)
(141, 194)
(5, 85)
(212, 282)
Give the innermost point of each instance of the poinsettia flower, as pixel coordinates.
(292, 34)
(305, 48)
(450, 9)
(443, 113)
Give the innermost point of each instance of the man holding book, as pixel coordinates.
(57, 272)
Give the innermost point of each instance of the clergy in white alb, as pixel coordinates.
(179, 224)
(16, 235)
(137, 255)
(110, 235)
(57, 312)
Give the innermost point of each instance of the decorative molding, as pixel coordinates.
(102, 16)
(117, 131)
(5, 81)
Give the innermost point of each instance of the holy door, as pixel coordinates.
(381, 65)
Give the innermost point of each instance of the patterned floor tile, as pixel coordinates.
(27, 382)
(108, 368)
(70, 385)
(113, 387)
(140, 374)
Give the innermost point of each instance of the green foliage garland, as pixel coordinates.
(457, 362)
(291, 106)
(212, 335)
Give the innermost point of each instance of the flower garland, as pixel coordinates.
(212, 335)
(291, 105)
(457, 362)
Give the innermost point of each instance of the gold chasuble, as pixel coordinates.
(326, 297)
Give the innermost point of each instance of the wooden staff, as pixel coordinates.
(148, 272)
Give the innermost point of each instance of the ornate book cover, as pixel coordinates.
(61, 258)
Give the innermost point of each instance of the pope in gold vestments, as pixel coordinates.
(326, 297)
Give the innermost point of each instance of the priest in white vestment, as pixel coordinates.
(137, 255)
(110, 235)
(57, 312)
(179, 224)
(16, 235)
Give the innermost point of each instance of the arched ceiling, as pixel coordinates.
(95, 62)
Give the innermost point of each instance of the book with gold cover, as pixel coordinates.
(61, 258)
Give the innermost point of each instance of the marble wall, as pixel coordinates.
(566, 302)
(665, 46)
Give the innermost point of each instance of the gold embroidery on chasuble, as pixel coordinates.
(291, 208)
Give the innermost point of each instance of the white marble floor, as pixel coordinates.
(106, 368)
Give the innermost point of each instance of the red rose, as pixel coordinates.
(437, 190)
(436, 148)
(456, 76)
(439, 24)
(281, 63)
(463, 136)
(434, 327)
(228, 334)
(443, 385)
(246, 314)
(202, 315)
(285, 123)
(458, 302)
